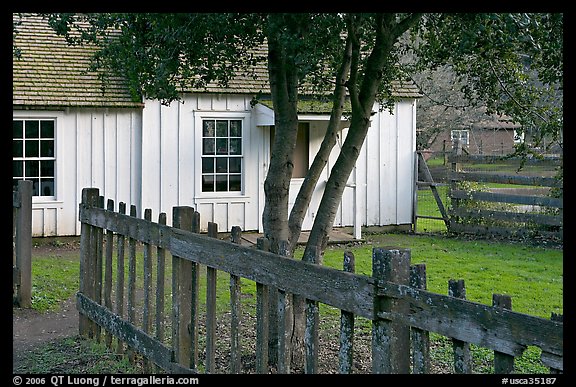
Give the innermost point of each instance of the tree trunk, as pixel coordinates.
(362, 103)
(284, 92)
(362, 99)
(304, 196)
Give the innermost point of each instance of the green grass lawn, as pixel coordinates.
(532, 276)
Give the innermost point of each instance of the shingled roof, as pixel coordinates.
(51, 73)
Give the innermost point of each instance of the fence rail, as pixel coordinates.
(22, 244)
(394, 298)
(521, 211)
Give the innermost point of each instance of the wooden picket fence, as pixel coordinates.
(22, 244)
(394, 298)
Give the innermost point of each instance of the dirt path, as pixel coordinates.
(31, 328)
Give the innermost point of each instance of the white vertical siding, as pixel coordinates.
(169, 168)
(98, 161)
(187, 142)
(171, 152)
(383, 177)
(388, 166)
(151, 127)
(95, 148)
(149, 158)
(406, 150)
(110, 155)
(372, 145)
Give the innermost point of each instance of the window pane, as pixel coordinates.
(235, 128)
(208, 183)
(235, 164)
(35, 187)
(32, 148)
(46, 148)
(208, 128)
(221, 183)
(31, 168)
(32, 129)
(235, 146)
(207, 165)
(17, 168)
(235, 182)
(17, 128)
(47, 129)
(17, 148)
(208, 146)
(47, 168)
(222, 165)
(15, 184)
(221, 128)
(47, 187)
(222, 146)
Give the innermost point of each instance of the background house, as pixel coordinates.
(209, 151)
(482, 137)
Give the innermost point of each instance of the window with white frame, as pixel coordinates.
(460, 135)
(222, 155)
(33, 154)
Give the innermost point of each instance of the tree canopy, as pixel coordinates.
(505, 63)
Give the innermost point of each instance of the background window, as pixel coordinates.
(460, 135)
(222, 155)
(33, 156)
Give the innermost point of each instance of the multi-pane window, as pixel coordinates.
(221, 155)
(460, 135)
(33, 156)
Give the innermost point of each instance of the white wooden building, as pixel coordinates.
(209, 151)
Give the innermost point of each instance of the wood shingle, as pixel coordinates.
(51, 73)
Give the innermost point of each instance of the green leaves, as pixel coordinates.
(511, 64)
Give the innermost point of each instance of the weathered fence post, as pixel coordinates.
(455, 168)
(503, 363)
(420, 338)
(98, 268)
(235, 310)
(22, 243)
(262, 317)
(108, 271)
(147, 315)
(147, 310)
(549, 359)
(194, 268)
(120, 275)
(462, 358)
(284, 315)
(312, 321)
(160, 288)
(183, 329)
(211, 277)
(87, 258)
(131, 293)
(345, 354)
(390, 339)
